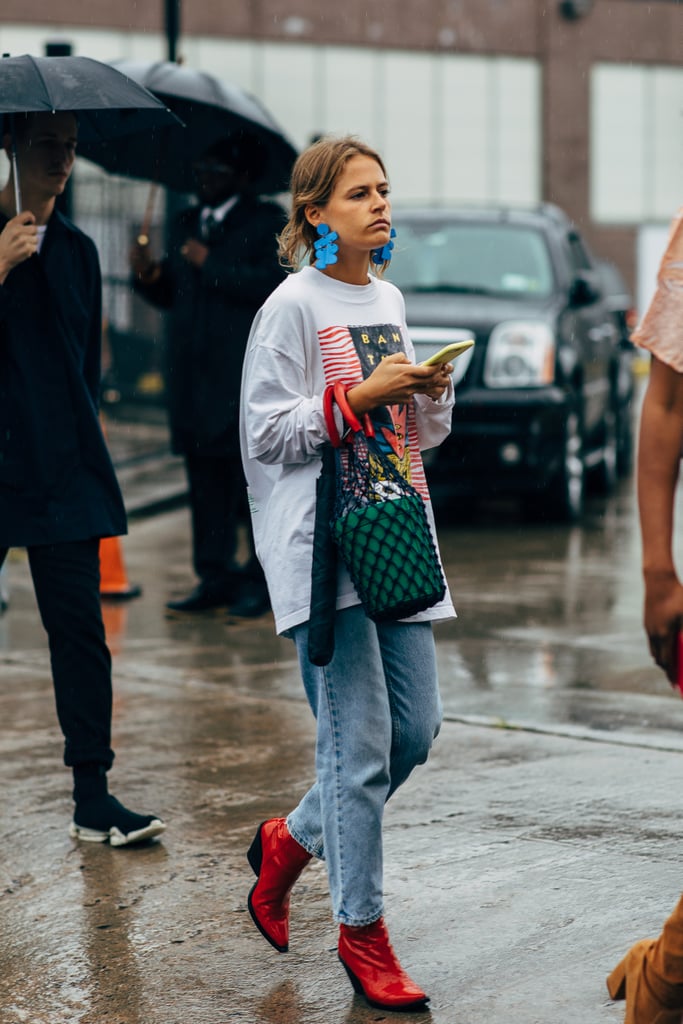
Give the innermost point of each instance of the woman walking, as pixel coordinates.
(376, 703)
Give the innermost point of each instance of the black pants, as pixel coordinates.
(218, 503)
(66, 580)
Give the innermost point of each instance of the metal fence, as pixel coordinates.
(110, 210)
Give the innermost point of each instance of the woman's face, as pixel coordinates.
(359, 209)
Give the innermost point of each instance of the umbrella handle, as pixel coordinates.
(15, 167)
(143, 237)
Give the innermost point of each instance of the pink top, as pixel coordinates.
(661, 329)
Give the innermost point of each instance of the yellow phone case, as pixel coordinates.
(449, 352)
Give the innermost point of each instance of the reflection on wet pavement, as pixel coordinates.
(550, 627)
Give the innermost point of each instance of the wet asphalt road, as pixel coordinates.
(541, 839)
(550, 631)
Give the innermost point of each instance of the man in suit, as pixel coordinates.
(220, 267)
(58, 490)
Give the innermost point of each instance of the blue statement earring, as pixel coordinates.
(384, 253)
(325, 248)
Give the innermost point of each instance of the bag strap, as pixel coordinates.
(337, 393)
(330, 422)
(347, 412)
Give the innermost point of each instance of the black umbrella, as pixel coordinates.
(108, 105)
(211, 110)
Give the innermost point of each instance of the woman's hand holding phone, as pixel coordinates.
(395, 380)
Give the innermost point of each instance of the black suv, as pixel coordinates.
(543, 399)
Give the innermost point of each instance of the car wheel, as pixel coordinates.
(565, 495)
(604, 475)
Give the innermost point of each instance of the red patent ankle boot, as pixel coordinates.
(277, 860)
(374, 970)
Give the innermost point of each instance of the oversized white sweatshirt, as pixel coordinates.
(313, 331)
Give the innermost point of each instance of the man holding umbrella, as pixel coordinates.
(221, 266)
(58, 491)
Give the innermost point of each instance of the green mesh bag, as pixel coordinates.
(381, 528)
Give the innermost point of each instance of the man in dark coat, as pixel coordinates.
(58, 491)
(221, 266)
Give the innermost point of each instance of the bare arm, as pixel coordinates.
(659, 456)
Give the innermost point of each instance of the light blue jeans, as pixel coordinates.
(378, 710)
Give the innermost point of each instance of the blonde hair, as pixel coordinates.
(314, 175)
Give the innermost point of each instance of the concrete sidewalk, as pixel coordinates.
(520, 864)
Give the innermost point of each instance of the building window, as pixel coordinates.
(636, 152)
(636, 142)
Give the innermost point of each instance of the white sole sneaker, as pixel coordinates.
(114, 836)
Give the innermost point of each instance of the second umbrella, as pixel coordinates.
(211, 110)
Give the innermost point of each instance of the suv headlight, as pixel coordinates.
(520, 354)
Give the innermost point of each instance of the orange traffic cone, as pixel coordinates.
(113, 576)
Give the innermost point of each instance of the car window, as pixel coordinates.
(484, 259)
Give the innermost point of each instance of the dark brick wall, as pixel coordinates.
(123, 14)
(639, 30)
(482, 26)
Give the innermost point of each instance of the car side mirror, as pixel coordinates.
(585, 288)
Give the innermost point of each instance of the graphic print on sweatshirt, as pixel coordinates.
(350, 354)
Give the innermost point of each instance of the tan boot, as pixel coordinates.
(650, 977)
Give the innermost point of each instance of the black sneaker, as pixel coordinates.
(104, 819)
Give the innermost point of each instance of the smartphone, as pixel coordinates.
(449, 352)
